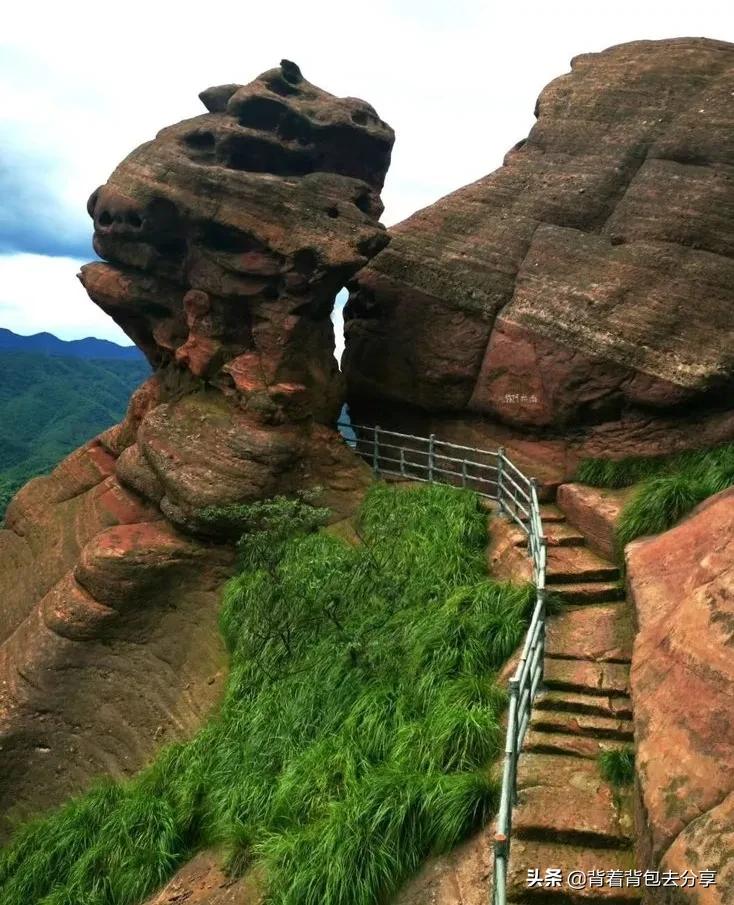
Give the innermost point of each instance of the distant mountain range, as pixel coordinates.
(56, 395)
(48, 344)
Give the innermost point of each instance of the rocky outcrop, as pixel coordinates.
(109, 645)
(595, 512)
(225, 241)
(682, 586)
(582, 292)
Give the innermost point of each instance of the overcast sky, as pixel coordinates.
(82, 83)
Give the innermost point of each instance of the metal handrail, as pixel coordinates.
(420, 465)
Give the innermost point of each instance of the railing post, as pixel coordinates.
(529, 672)
(532, 526)
(431, 442)
(515, 695)
(541, 638)
(375, 450)
(500, 462)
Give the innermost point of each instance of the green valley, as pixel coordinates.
(50, 405)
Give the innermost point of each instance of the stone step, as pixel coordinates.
(531, 855)
(587, 676)
(558, 534)
(549, 513)
(592, 725)
(591, 632)
(566, 799)
(567, 745)
(583, 592)
(613, 707)
(578, 564)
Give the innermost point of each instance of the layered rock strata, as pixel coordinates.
(581, 293)
(225, 241)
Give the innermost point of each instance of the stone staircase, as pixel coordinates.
(567, 817)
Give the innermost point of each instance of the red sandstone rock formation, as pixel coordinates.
(682, 586)
(582, 293)
(224, 242)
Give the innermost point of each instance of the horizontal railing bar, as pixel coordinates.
(517, 470)
(466, 461)
(523, 728)
(420, 466)
(517, 487)
(484, 452)
(518, 505)
(384, 432)
(517, 497)
(514, 517)
(415, 477)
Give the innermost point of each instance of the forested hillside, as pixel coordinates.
(50, 405)
(48, 344)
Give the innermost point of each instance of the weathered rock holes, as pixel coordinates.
(363, 202)
(261, 113)
(278, 85)
(305, 261)
(200, 141)
(171, 247)
(224, 238)
(293, 127)
(333, 212)
(253, 155)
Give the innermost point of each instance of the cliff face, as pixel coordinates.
(224, 242)
(682, 586)
(582, 292)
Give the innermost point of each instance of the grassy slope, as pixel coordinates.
(51, 405)
(353, 739)
(669, 487)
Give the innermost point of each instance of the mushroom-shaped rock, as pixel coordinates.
(224, 242)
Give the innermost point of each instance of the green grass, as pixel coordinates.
(669, 487)
(618, 766)
(359, 719)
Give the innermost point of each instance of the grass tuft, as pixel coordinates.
(618, 766)
(669, 487)
(353, 740)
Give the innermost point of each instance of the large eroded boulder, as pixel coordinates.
(225, 241)
(584, 290)
(682, 586)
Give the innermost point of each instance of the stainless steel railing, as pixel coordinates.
(492, 474)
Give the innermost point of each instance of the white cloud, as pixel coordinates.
(38, 293)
